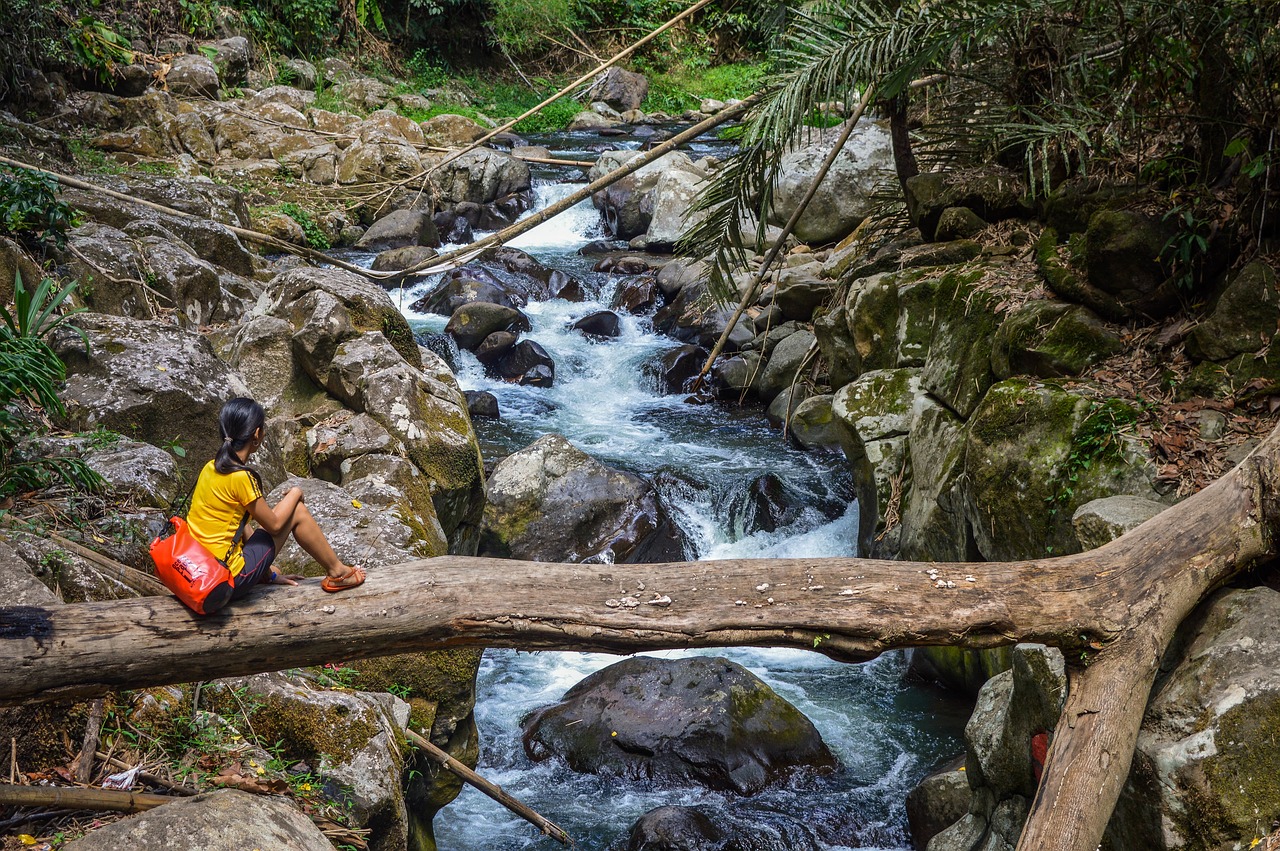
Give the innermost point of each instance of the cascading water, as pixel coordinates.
(703, 458)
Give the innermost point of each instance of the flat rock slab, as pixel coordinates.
(226, 820)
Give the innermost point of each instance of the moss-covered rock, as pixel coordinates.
(831, 329)
(1046, 339)
(1034, 454)
(1207, 766)
(933, 521)
(992, 192)
(958, 368)
(1242, 377)
(871, 311)
(1122, 257)
(1243, 320)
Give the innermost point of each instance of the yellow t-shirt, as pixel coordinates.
(217, 504)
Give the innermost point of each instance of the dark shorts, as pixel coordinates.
(259, 552)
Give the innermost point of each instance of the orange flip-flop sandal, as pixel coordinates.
(333, 584)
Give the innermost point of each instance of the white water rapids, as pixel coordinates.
(702, 458)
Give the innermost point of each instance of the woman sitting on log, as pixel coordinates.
(228, 489)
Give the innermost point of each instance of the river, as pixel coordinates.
(887, 735)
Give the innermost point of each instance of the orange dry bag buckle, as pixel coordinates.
(200, 581)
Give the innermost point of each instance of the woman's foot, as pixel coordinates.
(353, 578)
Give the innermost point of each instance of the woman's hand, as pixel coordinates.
(285, 578)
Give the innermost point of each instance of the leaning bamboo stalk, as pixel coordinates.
(776, 249)
(548, 828)
(75, 798)
(144, 584)
(453, 258)
(251, 235)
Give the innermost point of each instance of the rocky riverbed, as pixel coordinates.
(1011, 376)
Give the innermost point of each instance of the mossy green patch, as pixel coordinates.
(1244, 775)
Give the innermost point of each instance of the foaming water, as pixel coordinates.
(702, 458)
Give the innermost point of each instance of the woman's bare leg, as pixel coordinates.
(307, 532)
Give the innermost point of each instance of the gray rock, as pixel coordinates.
(800, 292)
(785, 403)
(262, 354)
(933, 515)
(1103, 520)
(589, 120)
(148, 380)
(191, 133)
(814, 425)
(621, 89)
(673, 214)
(627, 204)
(190, 284)
(301, 72)
(703, 719)
(364, 92)
(193, 75)
(451, 131)
(784, 361)
(964, 835)
(958, 223)
(1201, 768)
(225, 820)
(399, 229)
(600, 324)
(299, 97)
(399, 259)
(482, 403)
(18, 585)
(552, 502)
(843, 199)
(736, 374)
(336, 440)
(108, 266)
(232, 58)
(481, 177)
(881, 404)
(941, 800)
(137, 472)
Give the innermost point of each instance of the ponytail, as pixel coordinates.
(239, 419)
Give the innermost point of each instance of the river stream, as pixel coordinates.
(702, 458)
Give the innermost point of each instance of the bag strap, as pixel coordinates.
(236, 539)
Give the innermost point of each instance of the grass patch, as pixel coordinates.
(90, 160)
(682, 87)
(500, 100)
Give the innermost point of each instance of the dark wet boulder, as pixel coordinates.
(453, 228)
(495, 346)
(941, 800)
(992, 192)
(636, 296)
(678, 828)
(627, 264)
(456, 291)
(472, 323)
(601, 324)
(442, 346)
(679, 366)
(1243, 319)
(764, 505)
(526, 362)
(552, 502)
(701, 720)
(519, 277)
(482, 403)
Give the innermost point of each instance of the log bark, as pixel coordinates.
(75, 798)
(1113, 612)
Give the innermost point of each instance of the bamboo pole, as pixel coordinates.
(450, 259)
(548, 828)
(75, 798)
(790, 226)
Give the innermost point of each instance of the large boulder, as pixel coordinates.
(18, 585)
(480, 177)
(1244, 318)
(933, 509)
(552, 502)
(957, 370)
(1047, 339)
(472, 323)
(350, 738)
(451, 131)
(673, 214)
(193, 75)
(1204, 773)
(627, 204)
(148, 380)
(621, 89)
(224, 820)
(779, 371)
(843, 198)
(398, 229)
(1033, 455)
(1122, 257)
(232, 57)
(701, 720)
(992, 192)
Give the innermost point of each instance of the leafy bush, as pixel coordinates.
(525, 25)
(315, 236)
(30, 210)
(99, 48)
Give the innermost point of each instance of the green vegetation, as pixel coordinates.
(31, 374)
(315, 236)
(30, 210)
(1097, 440)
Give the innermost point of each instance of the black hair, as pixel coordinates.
(237, 422)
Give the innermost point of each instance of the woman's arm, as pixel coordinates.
(276, 520)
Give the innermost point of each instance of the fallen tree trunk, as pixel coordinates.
(1116, 607)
